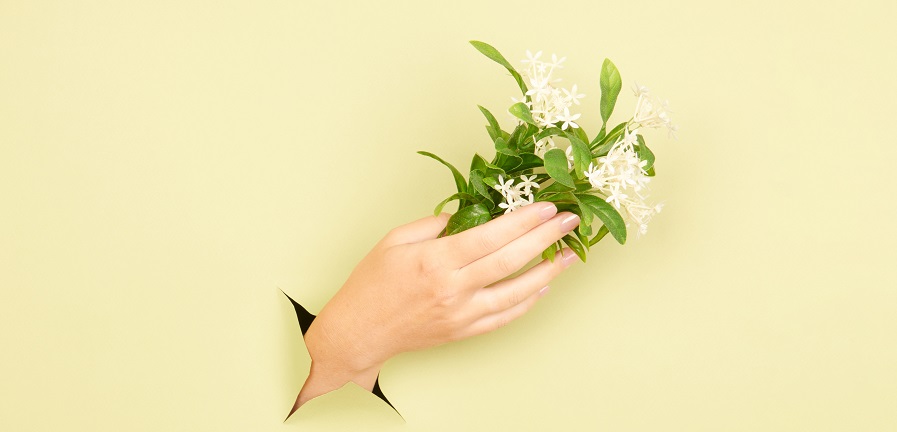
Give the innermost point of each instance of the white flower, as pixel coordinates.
(555, 62)
(636, 88)
(568, 119)
(621, 178)
(509, 205)
(549, 104)
(539, 89)
(630, 137)
(572, 95)
(530, 58)
(516, 196)
(569, 153)
(527, 184)
(615, 197)
(543, 145)
(504, 187)
(672, 129)
(652, 112)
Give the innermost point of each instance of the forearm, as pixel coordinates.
(331, 366)
(321, 380)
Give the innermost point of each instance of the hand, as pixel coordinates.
(414, 291)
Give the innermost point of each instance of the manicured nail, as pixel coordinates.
(569, 258)
(548, 211)
(569, 223)
(544, 290)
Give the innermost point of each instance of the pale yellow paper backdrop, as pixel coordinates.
(167, 166)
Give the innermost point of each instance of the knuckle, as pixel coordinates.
(501, 322)
(392, 236)
(428, 265)
(486, 241)
(389, 251)
(530, 302)
(493, 305)
(444, 297)
(513, 296)
(506, 263)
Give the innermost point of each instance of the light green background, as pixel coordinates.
(165, 167)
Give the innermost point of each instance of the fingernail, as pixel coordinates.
(544, 290)
(570, 222)
(548, 211)
(569, 258)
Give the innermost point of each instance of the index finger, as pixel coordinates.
(477, 242)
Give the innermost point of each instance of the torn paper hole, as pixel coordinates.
(305, 319)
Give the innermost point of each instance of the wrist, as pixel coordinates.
(336, 356)
(322, 375)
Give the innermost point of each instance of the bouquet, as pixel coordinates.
(604, 178)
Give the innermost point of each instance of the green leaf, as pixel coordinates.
(583, 238)
(650, 172)
(529, 161)
(477, 163)
(521, 111)
(576, 246)
(467, 218)
(506, 161)
(611, 84)
(526, 143)
(602, 147)
(556, 167)
(488, 169)
(494, 55)
(502, 145)
(579, 133)
(586, 210)
(608, 215)
(550, 252)
(457, 196)
(583, 186)
(599, 235)
(552, 131)
(644, 153)
(553, 188)
(584, 231)
(517, 135)
(582, 156)
(476, 181)
(460, 183)
(521, 138)
(563, 197)
(494, 129)
(492, 133)
(601, 134)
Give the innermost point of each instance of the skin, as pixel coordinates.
(415, 291)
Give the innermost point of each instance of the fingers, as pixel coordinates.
(502, 299)
(517, 253)
(509, 293)
(482, 240)
(496, 321)
(427, 228)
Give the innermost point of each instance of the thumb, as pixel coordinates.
(427, 228)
